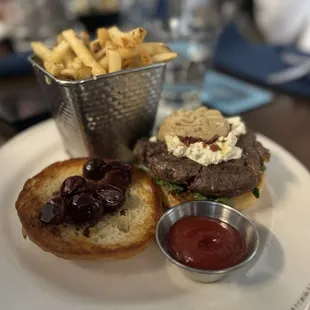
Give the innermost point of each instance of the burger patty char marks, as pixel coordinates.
(225, 179)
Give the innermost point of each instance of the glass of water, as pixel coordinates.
(191, 28)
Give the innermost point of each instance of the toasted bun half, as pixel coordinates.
(242, 201)
(116, 236)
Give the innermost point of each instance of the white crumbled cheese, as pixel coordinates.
(202, 153)
(153, 139)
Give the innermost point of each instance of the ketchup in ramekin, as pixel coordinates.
(206, 243)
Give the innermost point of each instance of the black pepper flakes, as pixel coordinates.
(86, 232)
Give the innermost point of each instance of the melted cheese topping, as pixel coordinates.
(203, 154)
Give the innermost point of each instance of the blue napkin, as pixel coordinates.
(227, 94)
(15, 65)
(255, 62)
(232, 96)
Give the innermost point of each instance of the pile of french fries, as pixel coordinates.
(75, 57)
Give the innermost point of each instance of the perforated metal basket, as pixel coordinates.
(103, 116)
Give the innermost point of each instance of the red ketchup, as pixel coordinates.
(205, 243)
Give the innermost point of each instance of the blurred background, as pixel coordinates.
(239, 56)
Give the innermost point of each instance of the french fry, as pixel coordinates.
(145, 56)
(84, 72)
(138, 34)
(103, 36)
(77, 66)
(111, 44)
(75, 57)
(114, 58)
(164, 57)
(131, 63)
(68, 58)
(77, 60)
(104, 62)
(95, 47)
(76, 73)
(156, 48)
(120, 38)
(59, 38)
(82, 52)
(84, 37)
(69, 73)
(100, 54)
(76, 63)
(59, 52)
(53, 69)
(41, 50)
(127, 53)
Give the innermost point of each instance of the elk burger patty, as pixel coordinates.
(225, 179)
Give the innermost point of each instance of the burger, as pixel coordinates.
(201, 155)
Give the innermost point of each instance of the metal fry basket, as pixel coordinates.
(103, 116)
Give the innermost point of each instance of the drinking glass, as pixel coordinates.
(189, 27)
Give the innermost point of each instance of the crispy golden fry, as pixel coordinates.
(138, 34)
(131, 63)
(69, 73)
(59, 52)
(84, 35)
(156, 48)
(59, 38)
(111, 44)
(84, 72)
(76, 73)
(41, 50)
(127, 53)
(100, 54)
(68, 58)
(120, 38)
(95, 47)
(164, 57)
(76, 63)
(145, 56)
(73, 61)
(53, 69)
(104, 62)
(75, 57)
(114, 58)
(77, 60)
(103, 36)
(82, 52)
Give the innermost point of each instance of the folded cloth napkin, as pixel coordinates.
(229, 95)
(232, 96)
(255, 62)
(15, 65)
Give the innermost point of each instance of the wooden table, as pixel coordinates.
(286, 120)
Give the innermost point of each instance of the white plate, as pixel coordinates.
(32, 279)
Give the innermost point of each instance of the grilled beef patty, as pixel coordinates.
(225, 179)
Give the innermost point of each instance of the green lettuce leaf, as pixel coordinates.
(256, 192)
(178, 189)
(144, 168)
(199, 196)
(263, 168)
(223, 200)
